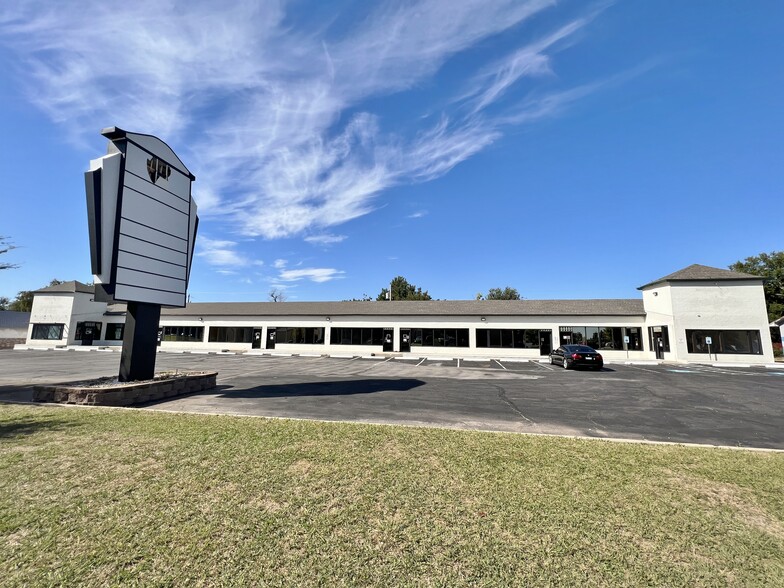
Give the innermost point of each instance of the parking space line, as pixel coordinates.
(499, 363)
(543, 366)
(634, 367)
(375, 364)
(422, 361)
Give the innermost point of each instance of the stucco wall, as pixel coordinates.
(735, 305)
(51, 309)
(679, 306)
(396, 323)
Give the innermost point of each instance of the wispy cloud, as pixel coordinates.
(271, 112)
(317, 275)
(223, 254)
(325, 239)
(418, 214)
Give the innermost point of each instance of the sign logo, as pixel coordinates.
(158, 168)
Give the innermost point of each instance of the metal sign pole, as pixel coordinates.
(140, 342)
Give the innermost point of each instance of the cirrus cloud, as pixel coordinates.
(318, 275)
(274, 111)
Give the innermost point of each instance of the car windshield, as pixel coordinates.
(579, 349)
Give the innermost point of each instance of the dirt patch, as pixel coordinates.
(731, 496)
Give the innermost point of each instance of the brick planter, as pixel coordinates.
(126, 394)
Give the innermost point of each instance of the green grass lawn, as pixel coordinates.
(119, 497)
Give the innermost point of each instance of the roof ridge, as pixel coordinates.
(699, 272)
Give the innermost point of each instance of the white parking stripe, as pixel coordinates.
(499, 363)
(544, 367)
(642, 369)
(423, 361)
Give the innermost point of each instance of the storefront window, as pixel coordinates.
(356, 336)
(300, 335)
(606, 338)
(114, 332)
(230, 335)
(439, 337)
(726, 342)
(48, 331)
(188, 334)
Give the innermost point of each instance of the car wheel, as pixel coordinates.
(551, 360)
(565, 364)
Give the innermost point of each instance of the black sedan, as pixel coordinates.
(576, 355)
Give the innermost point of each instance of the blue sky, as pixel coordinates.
(567, 149)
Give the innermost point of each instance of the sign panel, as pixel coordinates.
(143, 221)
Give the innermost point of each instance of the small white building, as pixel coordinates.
(697, 314)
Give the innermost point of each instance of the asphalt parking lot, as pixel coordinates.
(673, 403)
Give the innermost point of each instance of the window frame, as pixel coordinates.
(38, 326)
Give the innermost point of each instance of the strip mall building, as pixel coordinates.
(698, 314)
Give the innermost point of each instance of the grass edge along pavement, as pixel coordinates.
(109, 497)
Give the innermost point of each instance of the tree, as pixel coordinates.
(365, 298)
(24, 299)
(4, 303)
(771, 267)
(277, 295)
(402, 290)
(506, 293)
(5, 247)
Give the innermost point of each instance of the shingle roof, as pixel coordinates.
(617, 307)
(697, 272)
(68, 288)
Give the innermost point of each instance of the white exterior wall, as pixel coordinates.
(402, 322)
(730, 305)
(51, 309)
(68, 309)
(659, 313)
(86, 309)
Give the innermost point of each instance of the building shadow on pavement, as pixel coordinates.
(321, 388)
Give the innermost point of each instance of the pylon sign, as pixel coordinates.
(142, 221)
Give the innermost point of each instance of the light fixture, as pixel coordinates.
(483, 319)
(328, 319)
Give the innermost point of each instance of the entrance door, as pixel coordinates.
(659, 339)
(270, 338)
(256, 344)
(388, 339)
(545, 342)
(88, 334)
(88, 331)
(658, 345)
(405, 340)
